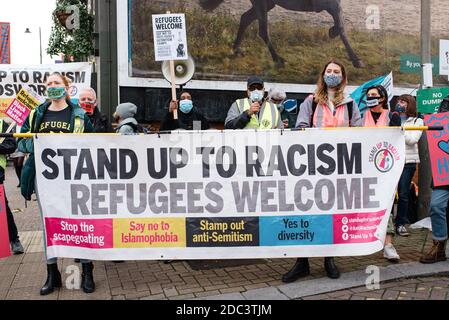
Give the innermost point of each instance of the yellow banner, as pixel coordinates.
(28, 98)
(150, 233)
(4, 104)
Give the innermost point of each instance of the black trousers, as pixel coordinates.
(12, 228)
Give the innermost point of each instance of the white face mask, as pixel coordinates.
(256, 95)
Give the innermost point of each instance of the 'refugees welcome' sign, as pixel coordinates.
(218, 195)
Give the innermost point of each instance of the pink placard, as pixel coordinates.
(356, 227)
(84, 233)
(17, 112)
(439, 147)
(4, 238)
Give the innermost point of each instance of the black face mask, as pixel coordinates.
(372, 102)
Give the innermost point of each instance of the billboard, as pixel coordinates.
(5, 48)
(14, 77)
(284, 41)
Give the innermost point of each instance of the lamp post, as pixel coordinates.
(424, 168)
(27, 30)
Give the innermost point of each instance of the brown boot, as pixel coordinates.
(436, 253)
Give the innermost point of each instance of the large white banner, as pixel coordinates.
(13, 77)
(218, 195)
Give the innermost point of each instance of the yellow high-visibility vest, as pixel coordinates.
(269, 119)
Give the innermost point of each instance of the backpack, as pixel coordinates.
(138, 128)
(349, 105)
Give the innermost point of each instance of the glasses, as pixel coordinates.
(255, 87)
(277, 101)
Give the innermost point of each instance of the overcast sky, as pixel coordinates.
(30, 14)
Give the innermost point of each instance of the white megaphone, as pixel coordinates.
(184, 70)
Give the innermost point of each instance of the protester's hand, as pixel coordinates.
(173, 106)
(285, 121)
(254, 108)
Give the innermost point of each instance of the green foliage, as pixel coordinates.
(72, 41)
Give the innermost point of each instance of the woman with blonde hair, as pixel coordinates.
(328, 107)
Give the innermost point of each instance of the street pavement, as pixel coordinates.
(21, 276)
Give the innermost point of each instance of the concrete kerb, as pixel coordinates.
(347, 280)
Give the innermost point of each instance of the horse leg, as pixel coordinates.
(339, 29)
(263, 33)
(247, 18)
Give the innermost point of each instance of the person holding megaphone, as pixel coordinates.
(190, 118)
(254, 112)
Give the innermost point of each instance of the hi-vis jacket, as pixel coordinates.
(267, 118)
(323, 117)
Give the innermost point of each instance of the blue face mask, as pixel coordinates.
(399, 108)
(332, 80)
(185, 105)
(55, 93)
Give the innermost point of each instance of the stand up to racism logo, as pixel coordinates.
(384, 155)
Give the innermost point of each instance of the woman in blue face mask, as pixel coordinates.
(57, 115)
(329, 106)
(189, 117)
(406, 107)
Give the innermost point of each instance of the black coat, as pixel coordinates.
(444, 105)
(100, 122)
(184, 121)
(8, 146)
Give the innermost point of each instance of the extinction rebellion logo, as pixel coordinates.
(384, 155)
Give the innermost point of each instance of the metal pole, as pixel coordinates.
(424, 172)
(40, 44)
(106, 17)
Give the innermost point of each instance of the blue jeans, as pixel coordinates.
(438, 205)
(403, 190)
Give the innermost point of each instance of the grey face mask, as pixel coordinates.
(332, 80)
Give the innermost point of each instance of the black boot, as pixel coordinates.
(53, 279)
(299, 270)
(87, 278)
(331, 268)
